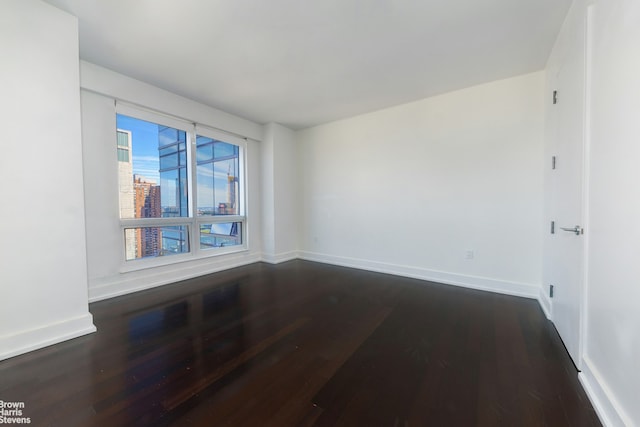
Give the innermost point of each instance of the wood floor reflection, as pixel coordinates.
(305, 344)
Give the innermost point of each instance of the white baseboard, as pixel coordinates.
(134, 282)
(278, 258)
(601, 398)
(545, 304)
(151, 278)
(473, 282)
(34, 339)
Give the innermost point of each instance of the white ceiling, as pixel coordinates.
(302, 63)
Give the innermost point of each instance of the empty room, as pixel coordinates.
(332, 213)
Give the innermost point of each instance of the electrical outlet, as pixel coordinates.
(468, 254)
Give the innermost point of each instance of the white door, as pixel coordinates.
(566, 257)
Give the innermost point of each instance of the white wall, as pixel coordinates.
(410, 189)
(612, 350)
(107, 276)
(43, 276)
(280, 194)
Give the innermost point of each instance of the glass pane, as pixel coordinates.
(153, 179)
(220, 235)
(204, 148)
(173, 193)
(168, 162)
(146, 242)
(123, 155)
(206, 204)
(168, 150)
(123, 139)
(169, 136)
(218, 177)
(223, 149)
(184, 207)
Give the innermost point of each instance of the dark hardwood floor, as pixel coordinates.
(305, 344)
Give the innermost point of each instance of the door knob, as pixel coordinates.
(575, 229)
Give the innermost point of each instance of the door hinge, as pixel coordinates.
(550, 291)
(553, 227)
(555, 97)
(553, 162)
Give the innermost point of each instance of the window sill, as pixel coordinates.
(163, 261)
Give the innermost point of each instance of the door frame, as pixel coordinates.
(583, 275)
(586, 168)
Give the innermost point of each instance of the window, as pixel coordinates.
(179, 183)
(123, 145)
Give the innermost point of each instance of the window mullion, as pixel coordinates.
(193, 191)
(220, 218)
(153, 222)
(242, 166)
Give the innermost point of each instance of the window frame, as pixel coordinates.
(192, 221)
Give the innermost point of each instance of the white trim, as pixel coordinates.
(153, 116)
(155, 222)
(473, 282)
(34, 339)
(545, 303)
(278, 258)
(586, 184)
(221, 135)
(168, 260)
(608, 409)
(122, 285)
